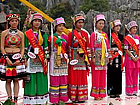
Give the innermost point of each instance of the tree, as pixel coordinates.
(17, 7)
(62, 9)
(97, 5)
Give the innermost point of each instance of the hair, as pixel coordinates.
(56, 27)
(79, 20)
(8, 25)
(98, 21)
(40, 24)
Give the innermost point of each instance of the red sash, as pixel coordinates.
(132, 43)
(34, 42)
(118, 43)
(81, 41)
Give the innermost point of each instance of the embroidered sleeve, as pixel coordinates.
(92, 43)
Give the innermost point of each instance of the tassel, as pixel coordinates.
(40, 38)
(103, 54)
(86, 59)
(58, 58)
(58, 50)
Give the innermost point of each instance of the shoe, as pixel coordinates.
(100, 98)
(78, 101)
(10, 98)
(81, 101)
(118, 96)
(129, 94)
(97, 99)
(75, 101)
(134, 94)
(15, 100)
(112, 96)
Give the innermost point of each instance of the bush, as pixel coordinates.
(97, 5)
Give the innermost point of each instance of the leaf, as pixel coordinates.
(62, 103)
(138, 104)
(7, 102)
(12, 103)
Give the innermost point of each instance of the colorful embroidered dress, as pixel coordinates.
(58, 68)
(98, 69)
(36, 90)
(77, 73)
(131, 67)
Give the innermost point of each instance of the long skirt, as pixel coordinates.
(36, 90)
(58, 89)
(98, 82)
(78, 88)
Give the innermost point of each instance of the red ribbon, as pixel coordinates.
(118, 43)
(34, 42)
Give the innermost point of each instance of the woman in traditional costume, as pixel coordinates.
(99, 49)
(78, 43)
(12, 49)
(115, 66)
(131, 62)
(58, 63)
(36, 47)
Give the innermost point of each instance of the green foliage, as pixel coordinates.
(7, 102)
(97, 5)
(62, 9)
(62, 103)
(39, 5)
(17, 7)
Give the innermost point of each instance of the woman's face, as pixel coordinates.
(133, 30)
(36, 23)
(100, 24)
(60, 27)
(117, 28)
(14, 23)
(79, 24)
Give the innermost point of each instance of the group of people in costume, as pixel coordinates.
(34, 54)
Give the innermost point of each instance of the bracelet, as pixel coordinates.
(4, 56)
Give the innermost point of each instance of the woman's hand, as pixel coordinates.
(25, 63)
(45, 71)
(45, 62)
(135, 59)
(9, 62)
(107, 61)
(16, 63)
(93, 61)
